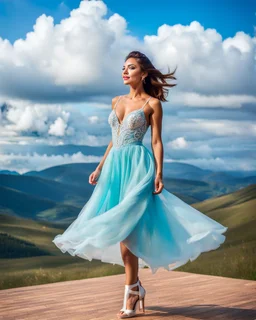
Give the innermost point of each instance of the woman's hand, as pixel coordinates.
(94, 176)
(158, 185)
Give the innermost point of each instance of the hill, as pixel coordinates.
(235, 258)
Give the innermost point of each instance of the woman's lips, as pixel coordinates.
(125, 78)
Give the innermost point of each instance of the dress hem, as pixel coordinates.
(216, 235)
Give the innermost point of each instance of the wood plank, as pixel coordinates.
(170, 295)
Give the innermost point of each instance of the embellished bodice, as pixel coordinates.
(131, 130)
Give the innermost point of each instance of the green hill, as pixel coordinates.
(12, 247)
(235, 257)
(28, 206)
(48, 189)
(184, 180)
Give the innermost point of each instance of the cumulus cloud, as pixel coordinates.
(58, 127)
(75, 59)
(66, 60)
(27, 122)
(207, 64)
(56, 86)
(179, 143)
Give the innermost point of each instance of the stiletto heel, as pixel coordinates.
(142, 292)
(142, 307)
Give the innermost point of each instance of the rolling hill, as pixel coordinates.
(235, 258)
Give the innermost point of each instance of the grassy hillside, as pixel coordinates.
(48, 189)
(235, 258)
(12, 247)
(55, 266)
(75, 174)
(191, 191)
(33, 207)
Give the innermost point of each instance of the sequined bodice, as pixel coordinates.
(131, 130)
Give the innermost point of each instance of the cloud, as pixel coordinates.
(23, 163)
(56, 86)
(65, 61)
(217, 128)
(191, 99)
(75, 60)
(207, 64)
(179, 143)
(58, 127)
(26, 122)
(219, 163)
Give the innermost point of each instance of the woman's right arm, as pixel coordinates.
(100, 165)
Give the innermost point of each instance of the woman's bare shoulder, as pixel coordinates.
(155, 104)
(114, 101)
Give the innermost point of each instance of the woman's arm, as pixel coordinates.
(100, 165)
(156, 142)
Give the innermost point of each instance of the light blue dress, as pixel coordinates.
(161, 230)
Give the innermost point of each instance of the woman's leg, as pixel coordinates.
(131, 272)
(130, 263)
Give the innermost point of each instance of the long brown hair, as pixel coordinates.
(155, 80)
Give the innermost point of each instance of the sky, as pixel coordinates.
(57, 57)
(143, 17)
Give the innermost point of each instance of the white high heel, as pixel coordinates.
(142, 292)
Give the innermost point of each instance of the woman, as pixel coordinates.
(130, 218)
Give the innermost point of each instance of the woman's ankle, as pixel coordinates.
(132, 282)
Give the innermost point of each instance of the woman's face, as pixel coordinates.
(131, 72)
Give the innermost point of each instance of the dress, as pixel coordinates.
(161, 230)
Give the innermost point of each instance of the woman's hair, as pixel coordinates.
(155, 80)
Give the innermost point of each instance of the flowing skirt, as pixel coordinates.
(161, 230)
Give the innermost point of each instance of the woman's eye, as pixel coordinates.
(129, 68)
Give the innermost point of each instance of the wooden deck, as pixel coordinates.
(170, 295)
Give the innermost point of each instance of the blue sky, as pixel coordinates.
(226, 16)
(58, 78)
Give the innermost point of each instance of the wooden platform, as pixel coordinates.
(170, 295)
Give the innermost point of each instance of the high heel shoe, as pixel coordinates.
(127, 313)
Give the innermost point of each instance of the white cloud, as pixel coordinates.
(182, 148)
(51, 124)
(45, 76)
(68, 58)
(58, 127)
(179, 143)
(191, 99)
(93, 119)
(220, 163)
(207, 64)
(23, 163)
(226, 127)
(213, 127)
(241, 42)
(77, 58)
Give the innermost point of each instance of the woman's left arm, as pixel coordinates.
(156, 142)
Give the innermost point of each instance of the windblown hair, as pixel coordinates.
(155, 80)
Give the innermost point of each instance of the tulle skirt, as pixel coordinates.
(161, 230)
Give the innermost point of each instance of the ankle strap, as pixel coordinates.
(132, 285)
